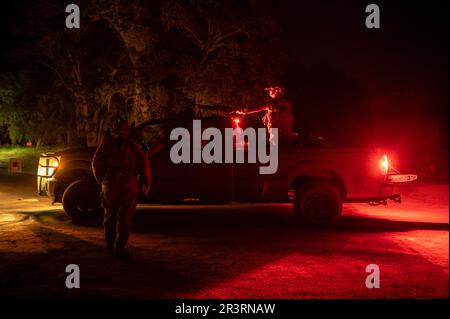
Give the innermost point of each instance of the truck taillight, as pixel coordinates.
(384, 164)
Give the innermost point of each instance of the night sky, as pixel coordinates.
(412, 38)
(403, 66)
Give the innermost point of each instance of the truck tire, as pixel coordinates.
(81, 202)
(318, 204)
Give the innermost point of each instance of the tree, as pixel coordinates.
(12, 115)
(30, 115)
(224, 50)
(86, 63)
(152, 59)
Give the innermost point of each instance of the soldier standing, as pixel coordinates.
(282, 115)
(116, 164)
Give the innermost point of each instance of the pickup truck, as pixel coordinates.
(316, 179)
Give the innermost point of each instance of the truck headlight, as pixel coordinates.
(47, 166)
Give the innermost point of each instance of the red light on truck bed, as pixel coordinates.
(384, 164)
(236, 121)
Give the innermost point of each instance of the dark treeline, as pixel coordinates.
(141, 59)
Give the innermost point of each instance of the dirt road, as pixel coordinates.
(233, 251)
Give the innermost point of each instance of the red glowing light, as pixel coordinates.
(236, 121)
(384, 164)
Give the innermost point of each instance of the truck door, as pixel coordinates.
(186, 181)
(247, 182)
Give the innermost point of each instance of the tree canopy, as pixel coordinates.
(139, 59)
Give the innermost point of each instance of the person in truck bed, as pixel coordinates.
(278, 113)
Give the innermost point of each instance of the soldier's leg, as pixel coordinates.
(127, 206)
(109, 203)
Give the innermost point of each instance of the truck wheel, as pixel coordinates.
(318, 204)
(81, 202)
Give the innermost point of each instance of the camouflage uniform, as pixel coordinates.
(116, 164)
(278, 114)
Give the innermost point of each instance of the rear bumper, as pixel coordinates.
(401, 178)
(386, 190)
